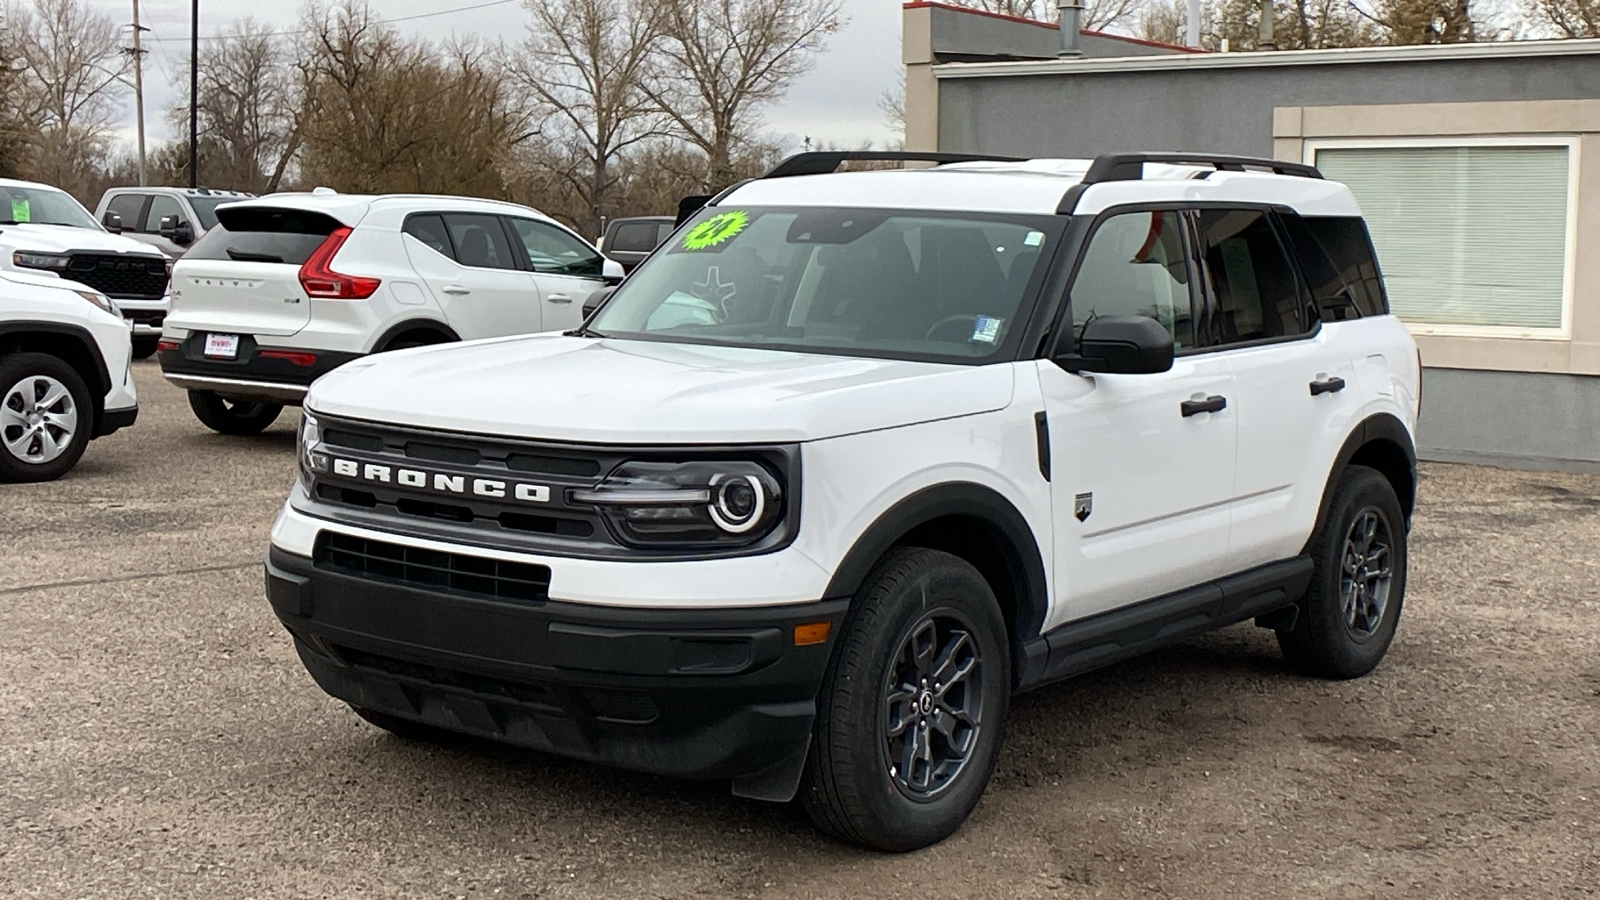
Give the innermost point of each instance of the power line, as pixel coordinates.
(426, 15)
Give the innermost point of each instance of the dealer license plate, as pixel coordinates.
(222, 346)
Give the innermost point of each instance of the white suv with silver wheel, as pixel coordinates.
(289, 286)
(854, 457)
(65, 353)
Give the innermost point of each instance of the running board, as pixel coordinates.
(1078, 647)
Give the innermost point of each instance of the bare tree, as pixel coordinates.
(248, 108)
(892, 103)
(1432, 21)
(16, 126)
(71, 87)
(1098, 15)
(1569, 18)
(586, 61)
(725, 59)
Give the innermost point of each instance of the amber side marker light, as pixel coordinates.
(810, 633)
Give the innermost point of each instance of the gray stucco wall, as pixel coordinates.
(963, 33)
(1219, 110)
(1517, 419)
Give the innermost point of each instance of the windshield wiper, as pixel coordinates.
(582, 331)
(246, 256)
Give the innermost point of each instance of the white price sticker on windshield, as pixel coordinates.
(986, 328)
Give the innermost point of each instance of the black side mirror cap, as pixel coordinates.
(595, 300)
(112, 221)
(1129, 345)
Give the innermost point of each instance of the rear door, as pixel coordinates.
(243, 277)
(565, 267)
(1295, 382)
(471, 267)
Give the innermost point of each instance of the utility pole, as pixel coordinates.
(194, 94)
(138, 85)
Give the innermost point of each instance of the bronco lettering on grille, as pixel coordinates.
(493, 488)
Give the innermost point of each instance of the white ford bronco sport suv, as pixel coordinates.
(857, 455)
(289, 286)
(64, 374)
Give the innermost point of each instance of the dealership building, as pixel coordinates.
(1476, 165)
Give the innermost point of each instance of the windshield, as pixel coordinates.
(205, 209)
(42, 206)
(855, 282)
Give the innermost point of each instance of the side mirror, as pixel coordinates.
(611, 272)
(594, 301)
(1130, 345)
(112, 221)
(176, 231)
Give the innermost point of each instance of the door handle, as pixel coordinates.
(457, 290)
(1331, 385)
(1213, 403)
(559, 298)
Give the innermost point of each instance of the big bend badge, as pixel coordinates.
(1082, 506)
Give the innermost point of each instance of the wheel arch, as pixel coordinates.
(69, 343)
(415, 326)
(975, 523)
(1379, 442)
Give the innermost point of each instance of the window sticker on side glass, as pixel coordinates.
(719, 229)
(986, 328)
(1034, 239)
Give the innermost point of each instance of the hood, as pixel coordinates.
(634, 392)
(64, 239)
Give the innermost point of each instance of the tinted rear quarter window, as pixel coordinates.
(1348, 248)
(429, 229)
(264, 234)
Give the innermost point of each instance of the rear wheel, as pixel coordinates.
(145, 347)
(46, 416)
(1358, 582)
(229, 416)
(910, 711)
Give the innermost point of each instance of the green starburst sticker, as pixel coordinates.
(718, 229)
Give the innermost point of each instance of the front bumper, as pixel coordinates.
(708, 694)
(114, 420)
(255, 374)
(145, 316)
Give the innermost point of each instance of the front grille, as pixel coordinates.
(456, 573)
(152, 317)
(134, 277)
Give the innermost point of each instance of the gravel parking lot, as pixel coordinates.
(159, 739)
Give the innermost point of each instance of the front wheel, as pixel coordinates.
(1358, 581)
(229, 416)
(46, 416)
(911, 708)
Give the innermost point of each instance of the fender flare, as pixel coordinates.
(1381, 427)
(413, 324)
(992, 511)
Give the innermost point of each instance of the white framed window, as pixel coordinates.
(1475, 236)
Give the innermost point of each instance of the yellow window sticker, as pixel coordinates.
(719, 229)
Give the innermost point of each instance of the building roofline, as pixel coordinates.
(1053, 26)
(1273, 58)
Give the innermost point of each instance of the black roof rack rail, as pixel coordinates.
(821, 162)
(1130, 166)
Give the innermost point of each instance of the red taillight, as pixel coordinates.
(164, 346)
(319, 279)
(294, 358)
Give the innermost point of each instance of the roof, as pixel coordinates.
(186, 191)
(351, 208)
(1052, 26)
(1273, 58)
(17, 182)
(1037, 186)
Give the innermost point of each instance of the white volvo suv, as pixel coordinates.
(289, 286)
(855, 456)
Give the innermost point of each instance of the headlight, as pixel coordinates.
(312, 459)
(53, 261)
(100, 300)
(676, 504)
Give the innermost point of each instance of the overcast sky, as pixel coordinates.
(836, 101)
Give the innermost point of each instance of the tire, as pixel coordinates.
(46, 417)
(405, 729)
(851, 788)
(1358, 581)
(145, 347)
(227, 416)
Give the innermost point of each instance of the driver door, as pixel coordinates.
(1140, 485)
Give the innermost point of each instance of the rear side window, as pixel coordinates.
(264, 234)
(430, 230)
(1252, 280)
(1349, 284)
(636, 237)
(479, 240)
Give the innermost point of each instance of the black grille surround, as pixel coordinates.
(453, 573)
(557, 526)
(119, 276)
(151, 317)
